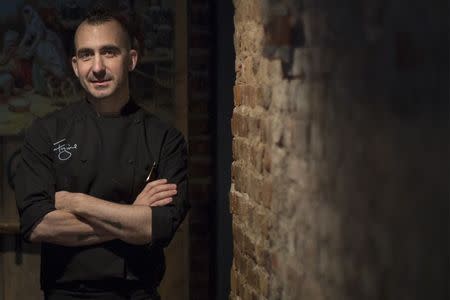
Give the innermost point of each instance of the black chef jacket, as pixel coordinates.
(77, 150)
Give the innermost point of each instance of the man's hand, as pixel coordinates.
(156, 193)
(65, 200)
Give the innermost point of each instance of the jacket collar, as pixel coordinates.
(130, 109)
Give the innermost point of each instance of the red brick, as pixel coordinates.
(279, 31)
(246, 11)
(263, 258)
(242, 242)
(263, 284)
(246, 181)
(233, 279)
(237, 95)
(267, 159)
(252, 276)
(240, 287)
(262, 223)
(254, 125)
(234, 203)
(242, 263)
(264, 97)
(237, 236)
(252, 186)
(256, 156)
(247, 95)
(255, 296)
(247, 295)
(266, 130)
(249, 245)
(236, 146)
(266, 193)
(239, 125)
(235, 172)
(249, 151)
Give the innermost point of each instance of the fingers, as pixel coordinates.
(162, 202)
(161, 189)
(160, 196)
(157, 193)
(152, 202)
(164, 194)
(150, 199)
(152, 184)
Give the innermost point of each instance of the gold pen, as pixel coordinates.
(151, 176)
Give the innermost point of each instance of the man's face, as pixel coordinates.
(103, 59)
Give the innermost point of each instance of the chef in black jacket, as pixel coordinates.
(101, 183)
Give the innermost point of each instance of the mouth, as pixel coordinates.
(100, 83)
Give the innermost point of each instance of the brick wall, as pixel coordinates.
(340, 148)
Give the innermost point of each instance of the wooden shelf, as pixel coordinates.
(9, 227)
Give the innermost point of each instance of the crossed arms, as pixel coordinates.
(76, 219)
(81, 220)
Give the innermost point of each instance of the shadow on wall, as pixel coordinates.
(365, 216)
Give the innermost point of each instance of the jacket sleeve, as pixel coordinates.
(172, 166)
(34, 180)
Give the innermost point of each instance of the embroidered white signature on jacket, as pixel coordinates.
(64, 149)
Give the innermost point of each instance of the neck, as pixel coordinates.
(109, 105)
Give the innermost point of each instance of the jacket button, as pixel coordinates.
(131, 161)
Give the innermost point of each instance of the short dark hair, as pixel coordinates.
(100, 14)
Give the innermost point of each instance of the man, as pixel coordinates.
(83, 187)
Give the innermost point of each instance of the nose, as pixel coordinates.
(98, 68)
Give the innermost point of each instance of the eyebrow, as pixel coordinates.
(104, 48)
(110, 48)
(84, 50)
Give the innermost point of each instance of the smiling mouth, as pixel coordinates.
(100, 83)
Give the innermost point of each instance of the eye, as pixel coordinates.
(109, 52)
(84, 55)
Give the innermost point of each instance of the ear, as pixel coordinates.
(133, 60)
(74, 65)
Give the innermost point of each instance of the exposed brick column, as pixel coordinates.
(251, 190)
(335, 193)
